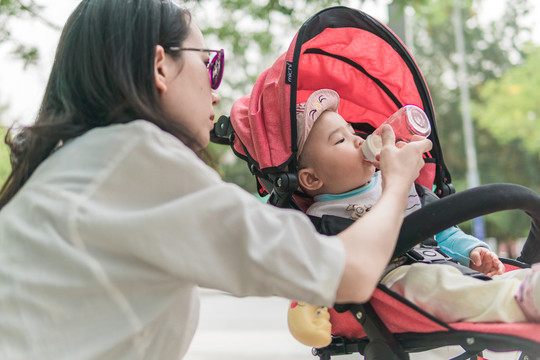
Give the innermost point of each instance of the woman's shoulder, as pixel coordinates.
(137, 144)
(140, 152)
(141, 135)
(141, 125)
(142, 130)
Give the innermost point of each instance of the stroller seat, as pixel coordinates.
(348, 51)
(414, 330)
(403, 327)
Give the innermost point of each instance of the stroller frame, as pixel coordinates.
(277, 176)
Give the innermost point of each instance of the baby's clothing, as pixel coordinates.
(354, 204)
(441, 290)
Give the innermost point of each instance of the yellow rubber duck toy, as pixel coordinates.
(309, 324)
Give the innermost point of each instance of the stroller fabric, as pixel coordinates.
(345, 51)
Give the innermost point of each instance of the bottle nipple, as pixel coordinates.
(372, 147)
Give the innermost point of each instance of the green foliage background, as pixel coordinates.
(10, 9)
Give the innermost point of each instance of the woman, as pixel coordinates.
(107, 222)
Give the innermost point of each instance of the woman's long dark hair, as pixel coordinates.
(103, 73)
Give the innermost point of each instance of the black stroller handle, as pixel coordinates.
(469, 204)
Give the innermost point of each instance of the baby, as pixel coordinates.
(333, 171)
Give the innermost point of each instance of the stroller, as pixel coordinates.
(360, 58)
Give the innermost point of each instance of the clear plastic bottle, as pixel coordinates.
(408, 121)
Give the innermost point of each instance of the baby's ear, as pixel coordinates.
(308, 180)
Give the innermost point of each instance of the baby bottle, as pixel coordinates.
(408, 121)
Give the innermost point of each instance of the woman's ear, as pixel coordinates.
(159, 69)
(308, 180)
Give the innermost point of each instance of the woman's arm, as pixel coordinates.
(369, 242)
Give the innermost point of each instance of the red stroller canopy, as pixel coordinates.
(346, 51)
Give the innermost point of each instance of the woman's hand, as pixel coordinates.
(400, 164)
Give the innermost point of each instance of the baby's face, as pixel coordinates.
(335, 152)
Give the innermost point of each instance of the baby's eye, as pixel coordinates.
(340, 141)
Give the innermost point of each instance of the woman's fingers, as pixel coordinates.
(423, 145)
(388, 136)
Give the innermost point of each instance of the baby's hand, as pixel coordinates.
(486, 261)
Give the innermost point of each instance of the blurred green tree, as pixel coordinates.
(493, 49)
(10, 9)
(508, 106)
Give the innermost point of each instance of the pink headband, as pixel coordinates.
(307, 113)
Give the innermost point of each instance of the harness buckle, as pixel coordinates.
(427, 255)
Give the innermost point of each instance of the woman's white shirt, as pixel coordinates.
(102, 250)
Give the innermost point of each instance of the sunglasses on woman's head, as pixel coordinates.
(215, 64)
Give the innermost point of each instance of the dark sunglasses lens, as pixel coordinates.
(216, 70)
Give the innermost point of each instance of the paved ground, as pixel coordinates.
(256, 329)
